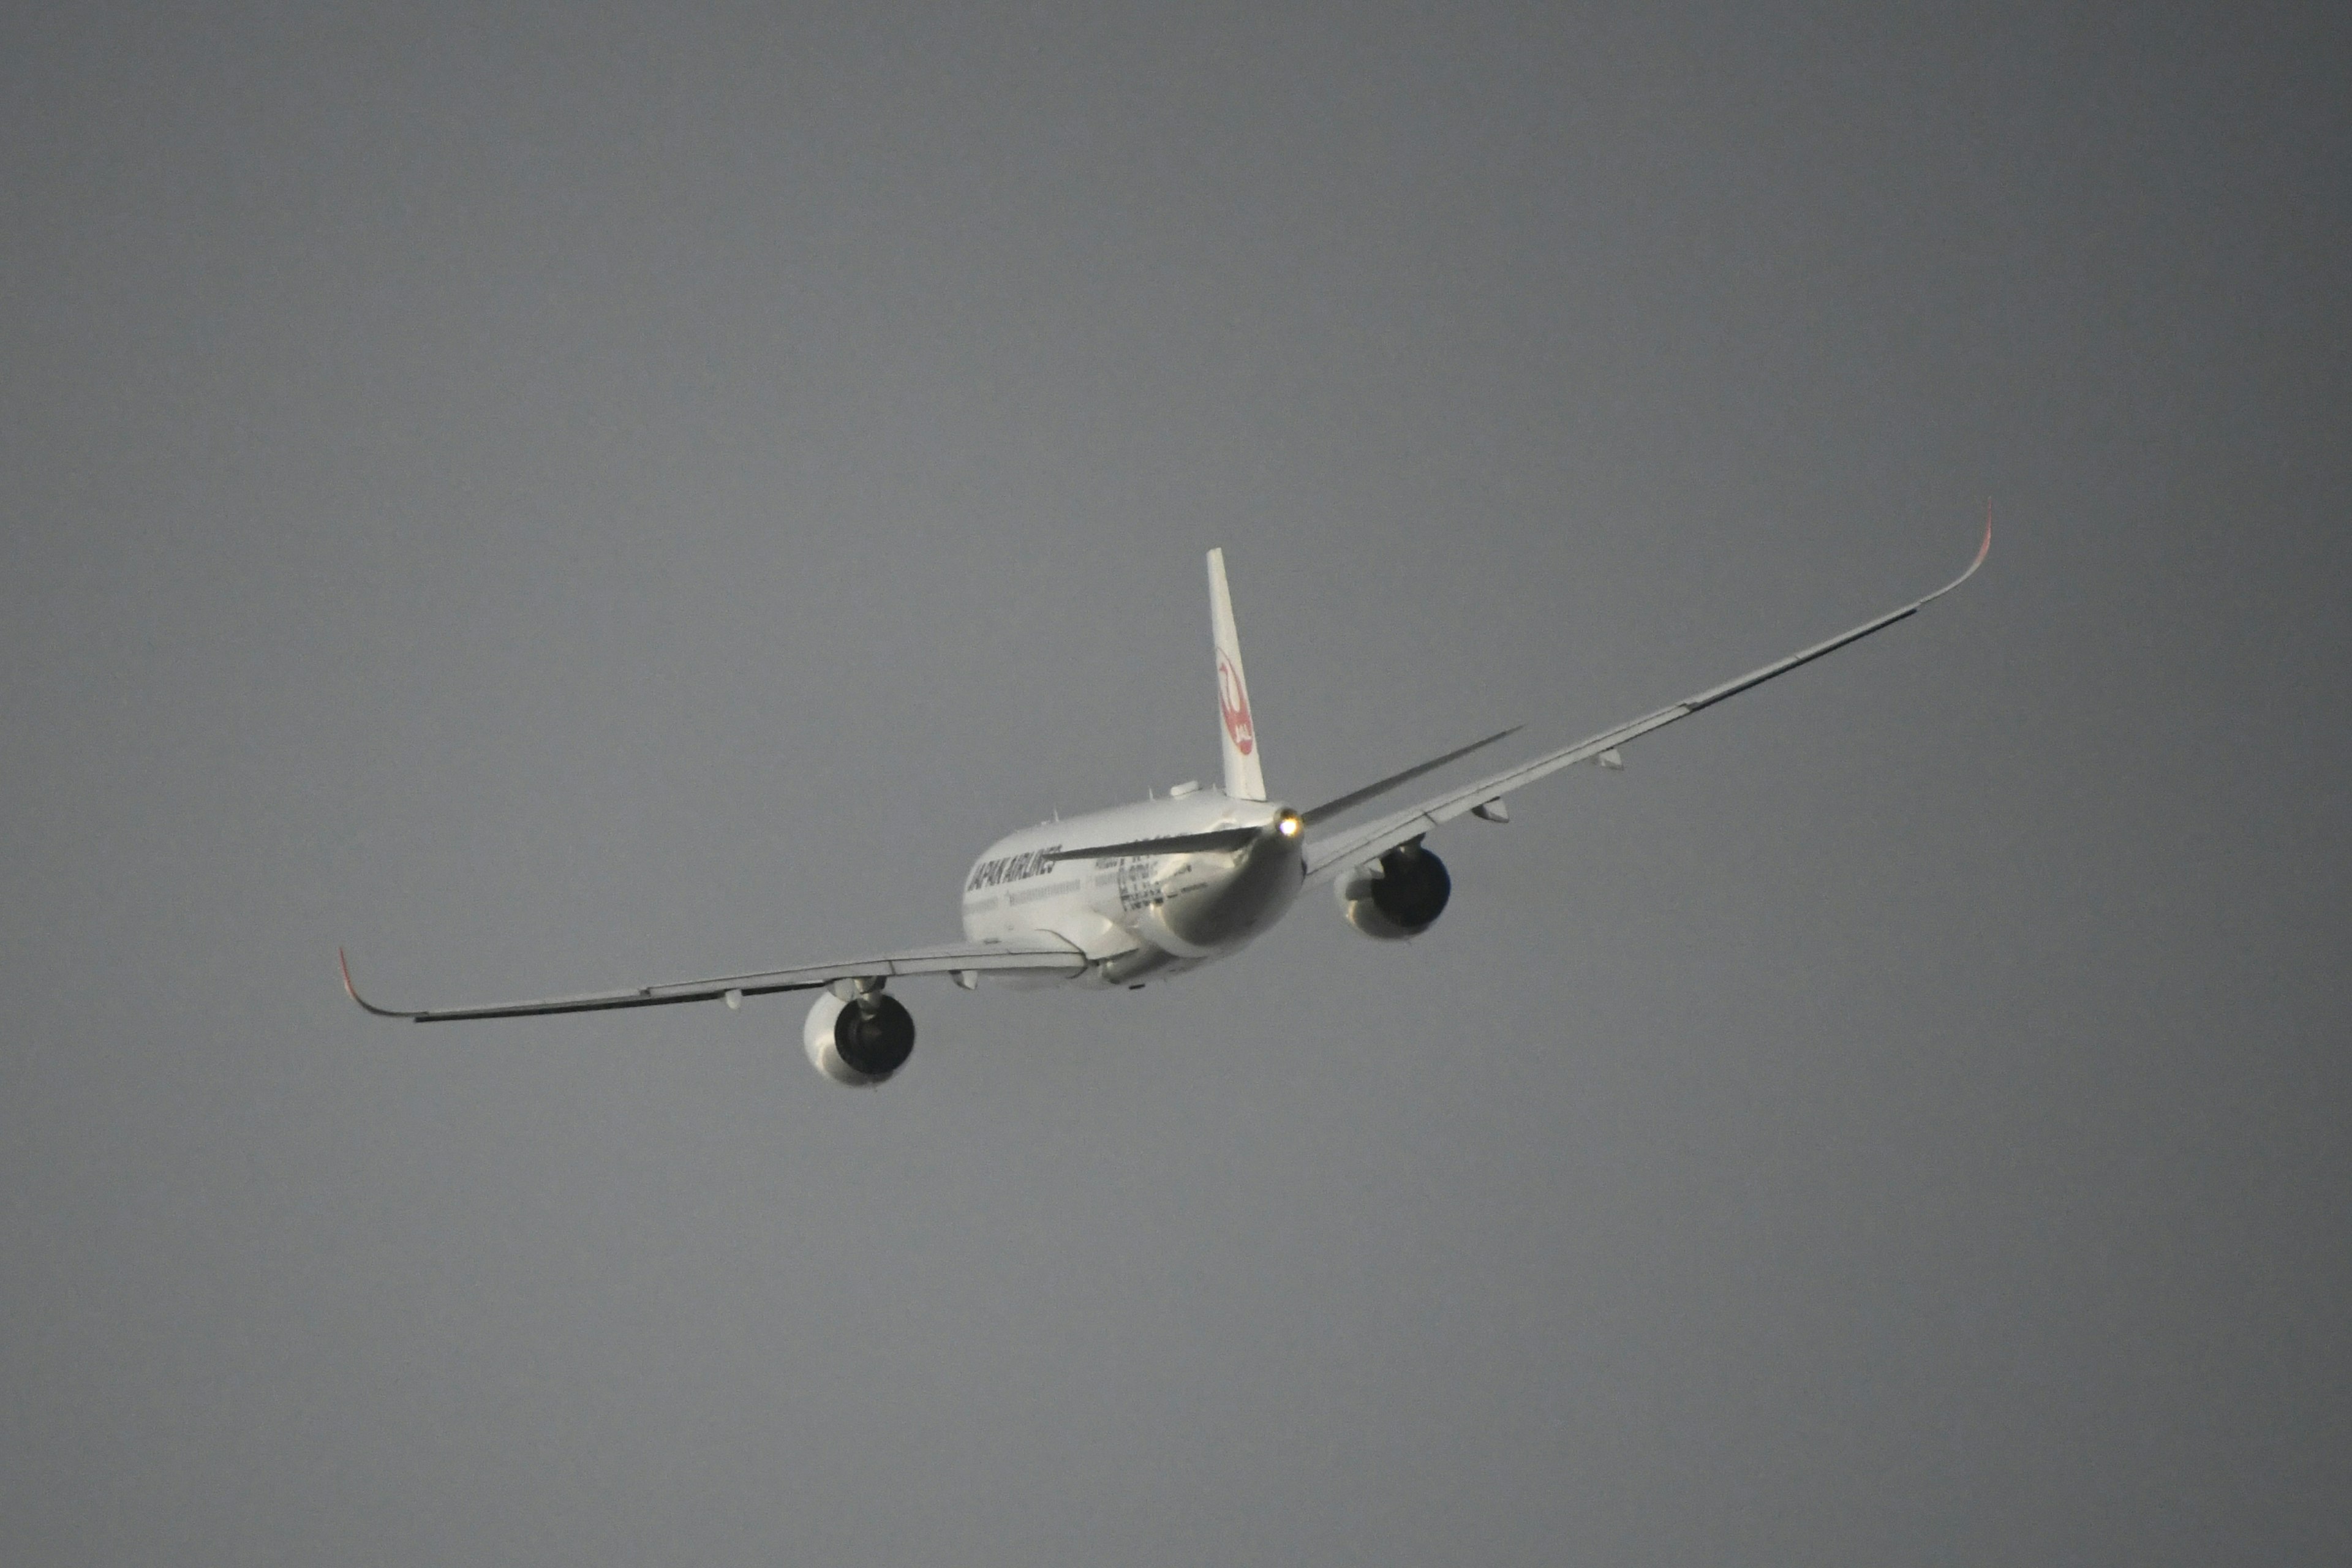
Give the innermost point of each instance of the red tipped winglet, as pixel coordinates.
(352, 991)
(1983, 550)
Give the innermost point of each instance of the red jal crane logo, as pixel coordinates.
(1234, 703)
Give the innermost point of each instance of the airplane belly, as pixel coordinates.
(1131, 914)
(1223, 912)
(1069, 907)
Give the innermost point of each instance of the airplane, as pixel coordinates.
(1149, 890)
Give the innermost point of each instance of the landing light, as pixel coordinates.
(1287, 827)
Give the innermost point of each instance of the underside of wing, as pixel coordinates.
(1035, 955)
(1367, 841)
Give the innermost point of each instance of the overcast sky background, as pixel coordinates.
(569, 496)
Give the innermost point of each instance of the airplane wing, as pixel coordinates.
(1036, 953)
(1369, 841)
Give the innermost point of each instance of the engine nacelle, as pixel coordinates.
(1404, 899)
(858, 1042)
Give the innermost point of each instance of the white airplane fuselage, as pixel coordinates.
(1138, 916)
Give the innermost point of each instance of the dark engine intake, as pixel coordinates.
(1404, 901)
(859, 1042)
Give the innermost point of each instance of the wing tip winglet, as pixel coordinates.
(1983, 550)
(343, 962)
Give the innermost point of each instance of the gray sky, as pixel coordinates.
(576, 496)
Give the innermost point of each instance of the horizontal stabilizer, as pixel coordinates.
(1332, 808)
(1176, 843)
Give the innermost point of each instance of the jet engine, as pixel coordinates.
(858, 1040)
(1400, 895)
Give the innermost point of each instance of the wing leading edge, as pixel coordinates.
(1038, 954)
(1372, 840)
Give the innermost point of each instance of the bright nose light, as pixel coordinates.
(1287, 827)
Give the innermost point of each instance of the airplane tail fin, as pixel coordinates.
(1244, 777)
